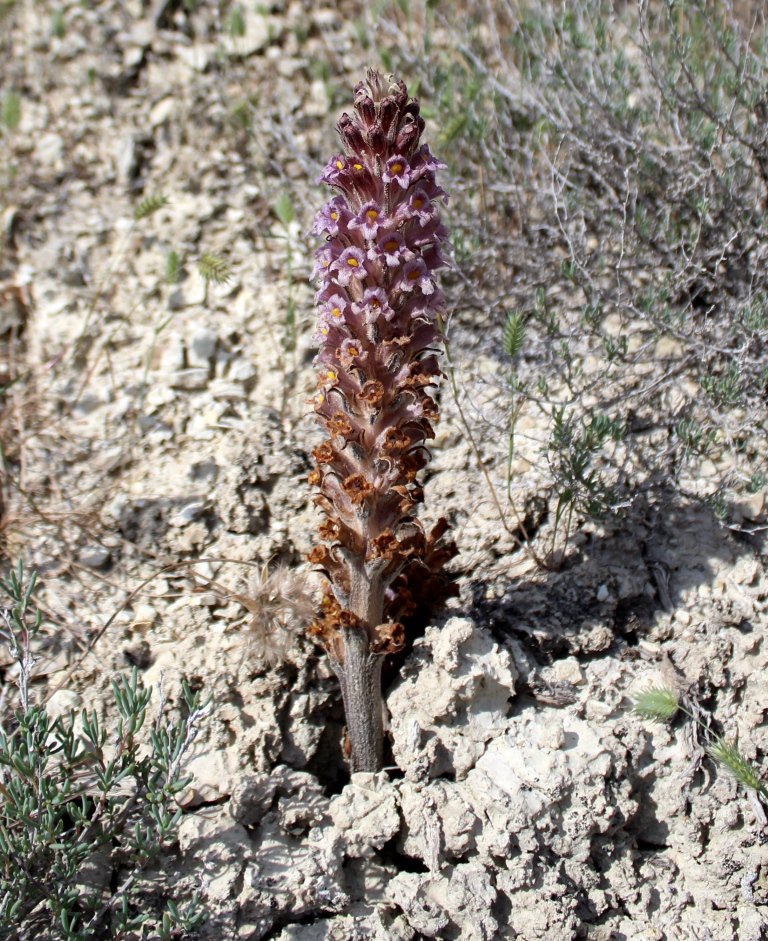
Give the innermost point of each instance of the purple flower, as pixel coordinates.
(324, 260)
(433, 259)
(426, 308)
(418, 206)
(350, 264)
(349, 174)
(352, 351)
(331, 217)
(326, 333)
(397, 170)
(432, 234)
(334, 309)
(424, 164)
(369, 220)
(415, 274)
(332, 170)
(391, 249)
(373, 305)
(421, 207)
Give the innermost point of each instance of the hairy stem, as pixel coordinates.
(360, 679)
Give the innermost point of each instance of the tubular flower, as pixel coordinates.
(379, 343)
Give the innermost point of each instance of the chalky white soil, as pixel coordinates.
(524, 799)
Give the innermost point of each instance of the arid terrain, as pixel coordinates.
(156, 449)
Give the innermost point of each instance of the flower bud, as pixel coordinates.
(350, 134)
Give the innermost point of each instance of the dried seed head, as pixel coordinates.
(281, 606)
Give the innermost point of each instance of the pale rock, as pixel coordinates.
(667, 347)
(317, 104)
(750, 508)
(750, 643)
(172, 357)
(219, 847)
(132, 57)
(195, 287)
(297, 797)
(144, 616)
(94, 557)
(95, 873)
(256, 38)
(197, 57)
(189, 379)
(553, 733)
(294, 878)
(438, 823)
(126, 161)
(288, 66)
(347, 927)
(142, 33)
(602, 593)
(162, 111)
(225, 290)
(593, 364)
(49, 150)
(227, 391)
(326, 19)
(62, 702)
(567, 670)
(214, 774)
(201, 346)
(187, 513)
(462, 896)
(746, 571)
(302, 729)
(533, 778)
(452, 697)
(365, 813)
(408, 891)
(241, 369)
(613, 325)
(112, 458)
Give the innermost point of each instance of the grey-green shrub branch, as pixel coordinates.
(70, 789)
(630, 155)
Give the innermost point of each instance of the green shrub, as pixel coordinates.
(72, 790)
(614, 181)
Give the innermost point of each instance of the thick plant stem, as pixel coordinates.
(360, 679)
(360, 673)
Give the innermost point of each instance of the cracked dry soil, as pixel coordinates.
(523, 799)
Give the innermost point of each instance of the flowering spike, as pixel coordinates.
(378, 338)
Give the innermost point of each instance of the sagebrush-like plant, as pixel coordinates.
(71, 790)
(611, 168)
(379, 336)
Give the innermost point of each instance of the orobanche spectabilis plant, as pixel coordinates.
(378, 331)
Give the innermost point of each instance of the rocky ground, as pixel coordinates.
(159, 423)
